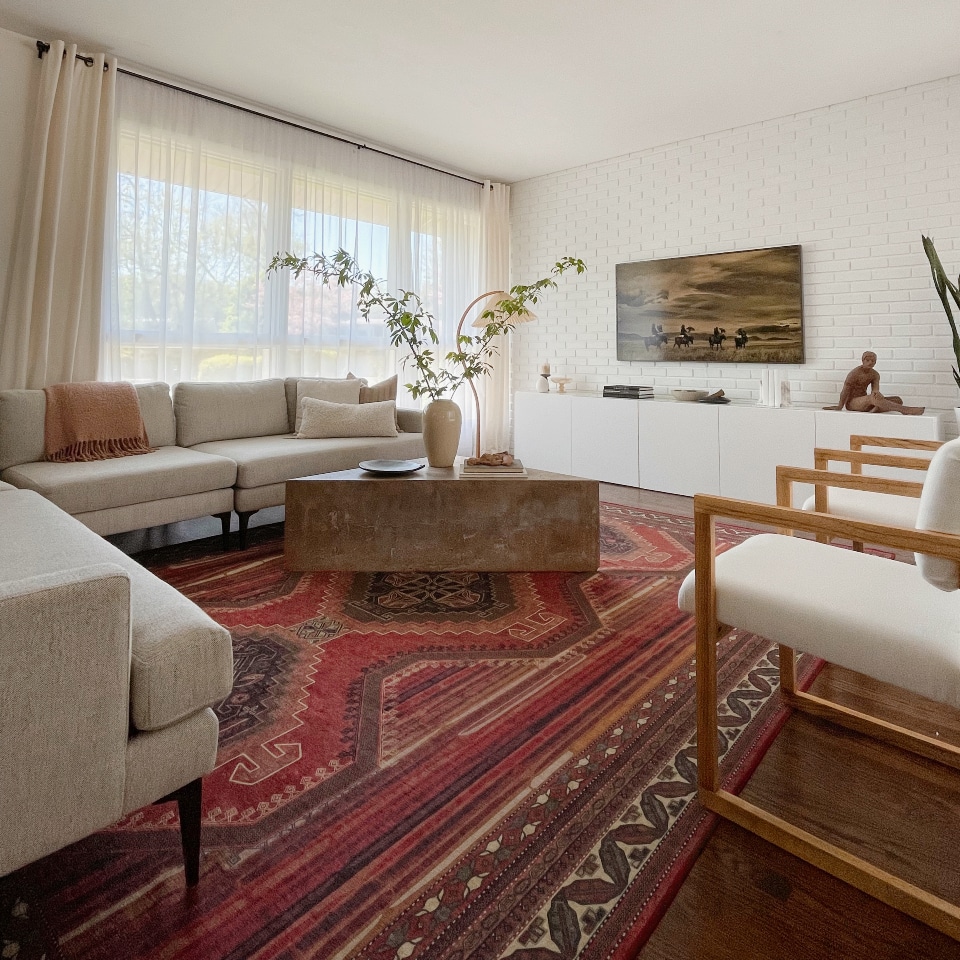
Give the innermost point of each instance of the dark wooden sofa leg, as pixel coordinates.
(224, 519)
(188, 804)
(244, 520)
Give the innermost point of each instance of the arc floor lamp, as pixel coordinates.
(524, 316)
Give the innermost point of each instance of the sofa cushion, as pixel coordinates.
(156, 408)
(375, 392)
(22, 421)
(96, 485)
(321, 419)
(334, 391)
(6, 486)
(207, 412)
(291, 384)
(181, 660)
(269, 460)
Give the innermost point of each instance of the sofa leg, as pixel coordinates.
(224, 519)
(188, 805)
(244, 520)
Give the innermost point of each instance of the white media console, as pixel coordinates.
(664, 444)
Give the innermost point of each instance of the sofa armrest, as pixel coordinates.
(64, 707)
(410, 421)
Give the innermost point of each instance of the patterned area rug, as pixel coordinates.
(424, 766)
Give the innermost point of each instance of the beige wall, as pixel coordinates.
(19, 73)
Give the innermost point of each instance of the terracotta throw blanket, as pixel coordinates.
(93, 421)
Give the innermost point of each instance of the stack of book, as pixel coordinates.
(513, 471)
(628, 391)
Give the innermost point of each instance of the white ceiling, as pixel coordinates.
(511, 89)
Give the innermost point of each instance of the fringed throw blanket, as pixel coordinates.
(93, 421)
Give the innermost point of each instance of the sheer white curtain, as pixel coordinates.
(51, 328)
(494, 390)
(206, 194)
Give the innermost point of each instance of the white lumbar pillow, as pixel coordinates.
(335, 391)
(322, 419)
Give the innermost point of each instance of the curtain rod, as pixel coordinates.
(44, 47)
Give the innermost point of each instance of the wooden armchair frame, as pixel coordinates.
(822, 477)
(904, 896)
(860, 440)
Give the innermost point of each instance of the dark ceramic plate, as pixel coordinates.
(714, 400)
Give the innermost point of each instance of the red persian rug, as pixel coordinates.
(457, 765)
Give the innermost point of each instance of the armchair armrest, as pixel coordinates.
(787, 476)
(859, 440)
(707, 507)
(857, 459)
(64, 707)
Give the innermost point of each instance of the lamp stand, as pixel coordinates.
(476, 396)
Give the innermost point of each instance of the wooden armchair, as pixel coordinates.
(890, 620)
(855, 494)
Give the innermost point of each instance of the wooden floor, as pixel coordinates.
(745, 898)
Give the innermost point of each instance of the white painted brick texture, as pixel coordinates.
(856, 184)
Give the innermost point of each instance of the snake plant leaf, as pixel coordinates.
(946, 290)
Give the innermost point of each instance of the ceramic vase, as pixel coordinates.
(441, 432)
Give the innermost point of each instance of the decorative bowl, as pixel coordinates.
(690, 394)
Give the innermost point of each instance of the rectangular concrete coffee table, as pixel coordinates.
(433, 520)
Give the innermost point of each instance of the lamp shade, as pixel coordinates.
(524, 316)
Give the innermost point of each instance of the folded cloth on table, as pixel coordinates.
(93, 421)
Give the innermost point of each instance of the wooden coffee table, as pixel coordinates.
(433, 520)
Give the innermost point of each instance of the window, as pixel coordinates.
(206, 195)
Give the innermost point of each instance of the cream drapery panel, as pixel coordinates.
(51, 326)
(204, 195)
(494, 389)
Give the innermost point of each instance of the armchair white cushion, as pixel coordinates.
(873, 507)
(860, 611)
(940, 510)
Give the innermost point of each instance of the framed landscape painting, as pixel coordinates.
(740, 307)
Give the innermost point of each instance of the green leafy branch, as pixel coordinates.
(411, 325)
(944, 286)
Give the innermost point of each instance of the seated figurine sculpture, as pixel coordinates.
(861, 391)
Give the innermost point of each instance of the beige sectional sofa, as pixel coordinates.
(107, 676)
(125, 493)
(220, 447)
(252, 424)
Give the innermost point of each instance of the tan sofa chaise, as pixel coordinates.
(107, 676)
(219, 447)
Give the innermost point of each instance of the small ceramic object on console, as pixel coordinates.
(561, 382)
(689, 395)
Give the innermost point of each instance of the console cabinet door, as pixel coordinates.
(542, 431)
(835, 427)
(605, 440)
(754, 441)
(679, 447)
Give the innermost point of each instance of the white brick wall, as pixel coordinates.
(856, 184)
